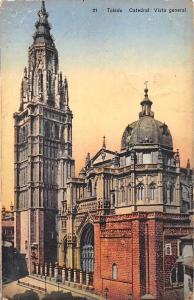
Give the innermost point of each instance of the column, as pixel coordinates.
(78, 257)
(87, 279)
(56, 272)
(80, 277)
(50, 270)
(34, 268)
(41, 270)
(63, 275)
(74, 276)
(69, 275)
(37, 269)
(45, 269)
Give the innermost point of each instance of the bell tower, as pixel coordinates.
(43, 140)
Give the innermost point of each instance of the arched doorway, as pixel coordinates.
(87, 248)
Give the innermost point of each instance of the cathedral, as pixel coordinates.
(118, 224)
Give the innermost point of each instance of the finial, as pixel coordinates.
(146, 89)
(42, 12)
(25, 72)
(104, 142)
(43, 6)
(87, 162)
(65, 82)
(66, 91)
(188, 164)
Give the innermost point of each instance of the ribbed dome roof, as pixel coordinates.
(146, 130)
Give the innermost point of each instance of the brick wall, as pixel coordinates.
(135, 243)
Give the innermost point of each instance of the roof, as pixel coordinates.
(147, 130)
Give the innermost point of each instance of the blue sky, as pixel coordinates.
(83, 36)
(106, 57)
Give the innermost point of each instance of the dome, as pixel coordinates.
(146, 130)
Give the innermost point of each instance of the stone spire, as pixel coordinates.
(42, 81)
(66, 93)
(42, 33)
(146, 104)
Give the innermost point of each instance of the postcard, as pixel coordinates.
(96, 149)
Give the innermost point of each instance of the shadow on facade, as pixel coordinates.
(31, 295)
(13, 264)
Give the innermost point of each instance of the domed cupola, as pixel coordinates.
(146, 130)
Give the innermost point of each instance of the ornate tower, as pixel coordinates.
(43, 148)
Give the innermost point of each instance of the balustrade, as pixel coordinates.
(65, 276)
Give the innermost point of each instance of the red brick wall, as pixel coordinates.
(135, 243)
(116, 290)
(154, 258)
(137, 261)
(113, 245)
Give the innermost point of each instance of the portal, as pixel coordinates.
(87, 248)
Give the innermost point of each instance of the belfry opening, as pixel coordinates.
(87, 248)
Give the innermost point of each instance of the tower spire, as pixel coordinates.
(43, 6)
(42, 33)
(66, 91)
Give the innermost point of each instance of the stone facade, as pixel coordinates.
(121, 219)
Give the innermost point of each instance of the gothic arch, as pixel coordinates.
(169, 192)
(152, 191)
(140, 191)
(129, 194)
(89, 187)
(87, 248)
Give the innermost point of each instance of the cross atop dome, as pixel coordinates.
(146, 89)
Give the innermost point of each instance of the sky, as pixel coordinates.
(106, 58)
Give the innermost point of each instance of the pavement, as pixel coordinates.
(38, 285)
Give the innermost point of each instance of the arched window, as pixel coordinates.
(40, 81)
(95, 186)
(112, 200)
(114, 272)
(47, 130)
(169, 192)
(152, 191)
(122, 191)
(56, 131)
(140, 191)
(129, 193)
(89, 187)
(24, 134)
(49, 82)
